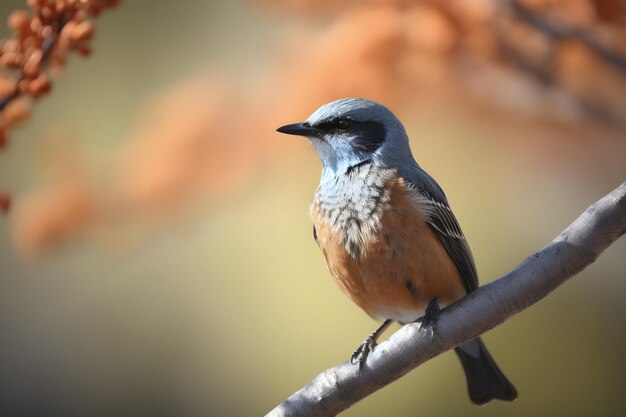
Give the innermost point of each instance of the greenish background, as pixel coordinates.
(229, 309)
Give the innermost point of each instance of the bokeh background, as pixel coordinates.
(158, 258)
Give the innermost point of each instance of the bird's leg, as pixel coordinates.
(428, 323)
(360, 354)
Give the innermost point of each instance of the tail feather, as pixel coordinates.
(485, 381)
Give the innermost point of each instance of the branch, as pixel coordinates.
(336, 389)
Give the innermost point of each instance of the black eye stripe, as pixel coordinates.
(369, 135)
(333, 124)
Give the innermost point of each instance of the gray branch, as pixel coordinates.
(336, 389)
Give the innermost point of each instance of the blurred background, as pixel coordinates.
(158, 257)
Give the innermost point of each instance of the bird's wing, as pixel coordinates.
(433, 202)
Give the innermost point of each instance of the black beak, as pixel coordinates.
(300, 129)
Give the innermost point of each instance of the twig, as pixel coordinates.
(47, 48)
(4, 101)
(544, 74)
(558, 29)
(338, 388)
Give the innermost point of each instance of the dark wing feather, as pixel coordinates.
(443, 222)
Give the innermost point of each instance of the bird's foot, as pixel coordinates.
(362, 352)
(428, 323)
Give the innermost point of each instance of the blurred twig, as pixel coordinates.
(544, 71)
(559, 29)
(338, 388)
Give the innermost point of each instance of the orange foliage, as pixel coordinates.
(191, 141)
(53, 215)
(67, 205)
(43, 35)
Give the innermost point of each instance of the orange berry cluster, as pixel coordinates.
(42, 38)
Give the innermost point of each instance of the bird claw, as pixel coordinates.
(362, 352)
(428, 323)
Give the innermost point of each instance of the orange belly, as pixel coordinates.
(401, 265)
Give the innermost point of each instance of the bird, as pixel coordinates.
(387, 232)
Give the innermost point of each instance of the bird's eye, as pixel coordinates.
(343, 124)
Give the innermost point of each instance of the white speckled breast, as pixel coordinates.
(354, 203)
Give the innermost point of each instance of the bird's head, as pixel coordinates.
(350, 131)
